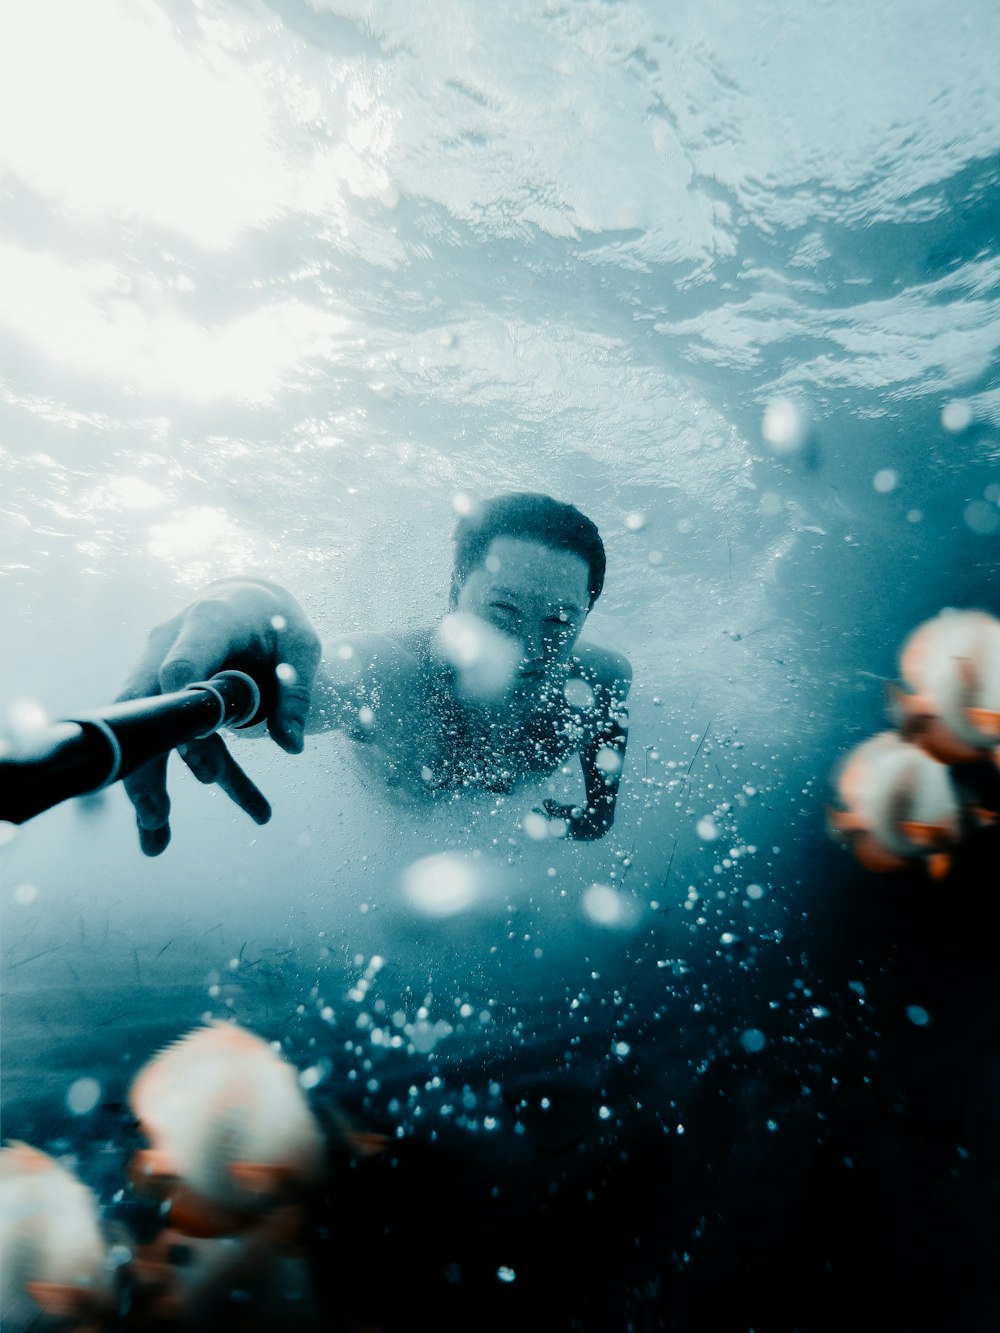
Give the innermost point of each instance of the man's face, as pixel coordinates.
(533, 593)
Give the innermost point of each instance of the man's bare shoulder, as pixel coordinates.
(603, 667)
(368, 670)
(371, 652)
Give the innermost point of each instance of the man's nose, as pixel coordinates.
(533, 643)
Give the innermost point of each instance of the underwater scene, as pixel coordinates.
(497, 969)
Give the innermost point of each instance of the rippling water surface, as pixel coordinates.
(284, 286)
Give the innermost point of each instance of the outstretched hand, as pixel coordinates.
(236, 618)
(583, 823)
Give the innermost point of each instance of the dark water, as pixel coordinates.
(572, 248)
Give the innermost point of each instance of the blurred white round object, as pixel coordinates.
(226, 1116)
(605, 906)
(885, 480)
(50, 1235)
(83, 1095)
(956, 415)
(485, 660)
(579, 694)
(785, 425)
(441, 885)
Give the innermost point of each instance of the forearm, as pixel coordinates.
(328, 706)
(602, 761)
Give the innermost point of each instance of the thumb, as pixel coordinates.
(288, 721)
(300, 652)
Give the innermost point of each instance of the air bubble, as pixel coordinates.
(83, 1095)
(440, 884)
(785, 425)
(605, 906)
(956, 415)
(885, 480)
(536, 826)
(753, 1040)
(982, 518)
(579, 694)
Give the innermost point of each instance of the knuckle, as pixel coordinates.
(305, 646)
(296, 694)
(161, 636)
(212, 611)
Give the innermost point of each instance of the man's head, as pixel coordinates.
(531, 517)
(531, 568)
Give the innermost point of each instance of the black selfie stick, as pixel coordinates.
(94, 749)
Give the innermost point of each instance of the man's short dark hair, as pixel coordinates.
(534, 517)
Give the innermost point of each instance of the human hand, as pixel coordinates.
(583, 823)
(245, 618)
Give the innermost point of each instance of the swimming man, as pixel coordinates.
(503, 689)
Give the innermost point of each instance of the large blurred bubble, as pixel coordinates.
(444, 884)
(785, 425)
(485, 660)
(607, 906)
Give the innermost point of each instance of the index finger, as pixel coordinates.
(146, 788)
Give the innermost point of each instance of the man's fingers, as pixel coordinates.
(287, 723)
(154, 841)
(207, 637)
(558, 811)
(300, 651)
(146, 788)
(211, 762)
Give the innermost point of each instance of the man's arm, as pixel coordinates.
(603, 759)
(602, 756)
(364, 686)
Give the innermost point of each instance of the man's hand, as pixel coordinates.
(585, 823)
(248, 618)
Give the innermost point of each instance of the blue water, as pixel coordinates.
(287, 284)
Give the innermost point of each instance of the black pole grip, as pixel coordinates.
(93, 750)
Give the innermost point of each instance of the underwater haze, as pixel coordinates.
(286, 286)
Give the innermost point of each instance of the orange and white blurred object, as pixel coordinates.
(902, 801)
(56, 1267)
(232, 1136)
